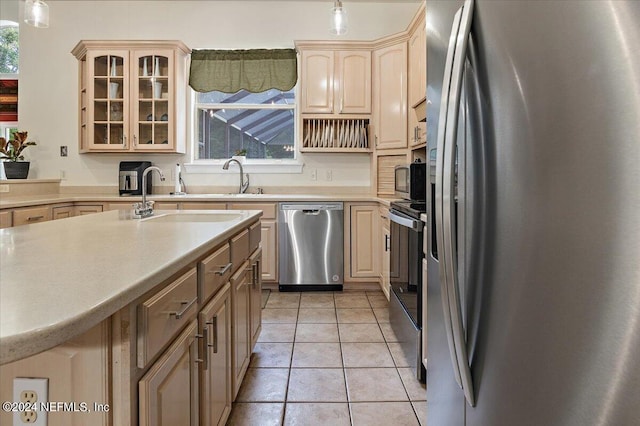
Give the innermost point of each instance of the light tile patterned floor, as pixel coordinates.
(328, 358)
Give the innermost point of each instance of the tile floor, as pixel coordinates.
(328, 359)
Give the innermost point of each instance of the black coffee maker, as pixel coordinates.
(130, 177)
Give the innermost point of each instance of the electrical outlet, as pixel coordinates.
(33, 391)
(28, 417)
(329, 175)
(64, 151)
(63, 174)
(314, 174)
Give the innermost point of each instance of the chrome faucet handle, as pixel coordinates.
(245, 185)
(143, 209)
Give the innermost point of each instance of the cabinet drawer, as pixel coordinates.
(239, 249)
(162, 316)
(31, 215)
(268, 209)
(215, 271)
(255, 233)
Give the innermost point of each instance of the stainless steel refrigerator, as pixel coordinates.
(533, 263)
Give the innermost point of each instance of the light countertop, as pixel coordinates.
(29, 200)
(62, 277)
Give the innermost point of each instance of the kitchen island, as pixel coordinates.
(114, 273)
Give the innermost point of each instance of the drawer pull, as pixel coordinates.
(180, 314)
(214, 323)
(205, 345)
(32, 218)
(223, 269)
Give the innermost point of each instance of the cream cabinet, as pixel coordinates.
(215, 366)
(168, 392)
(390, 96)
(417, 93)
(268, 224)
(78, 371)
(241, 339)
(6, 219)
(418, 64)
(83, 209)
(385, 251)
(269, 250)
(62, 212)
(335, 81)
(256, 297)
(362, 244)
(132, 96)
(29, 215)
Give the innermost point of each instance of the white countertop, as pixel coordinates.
(29, 200)
(60, 278)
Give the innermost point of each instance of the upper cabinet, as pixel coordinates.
(132, 96)
(417, 126)
(418, 64)
(390, 95)
(335, 81)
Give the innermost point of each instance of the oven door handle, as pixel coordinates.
(404, 221)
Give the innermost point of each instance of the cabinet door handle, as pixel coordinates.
(214, 326)
(135, 140)
(223, 269)
(124, 141)
(386, 243)
(187, 305)
(341, 104)
(34, 218)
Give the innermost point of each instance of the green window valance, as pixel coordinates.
(255, 70)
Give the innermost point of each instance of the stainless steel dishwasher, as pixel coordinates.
(311, 246)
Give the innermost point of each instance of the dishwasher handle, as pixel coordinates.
(311, 212)
(311, 206)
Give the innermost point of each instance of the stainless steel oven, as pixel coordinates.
(405, 305)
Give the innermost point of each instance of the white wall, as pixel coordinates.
(49, 75)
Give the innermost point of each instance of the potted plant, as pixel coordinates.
(240, 155)
(11, 152)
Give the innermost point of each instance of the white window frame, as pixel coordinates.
(265, 166)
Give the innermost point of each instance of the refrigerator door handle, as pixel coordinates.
(448, 203)
(442, 130)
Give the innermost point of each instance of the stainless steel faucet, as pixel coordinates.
(145, 208)
(243, 185)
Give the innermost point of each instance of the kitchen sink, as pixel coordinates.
(194, 217)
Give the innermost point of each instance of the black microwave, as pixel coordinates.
(411, 181)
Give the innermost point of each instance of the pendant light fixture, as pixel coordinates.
(36, 13)
(338, 19)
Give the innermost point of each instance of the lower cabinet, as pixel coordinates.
(215, 369)
(240, 309)
(256, 296)
(168, 392)
(269, 250)
(362, 250)
(31, 215)
(6, 219)
(82, 209)
(385, 252)
(62, 212)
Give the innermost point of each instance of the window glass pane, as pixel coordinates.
(264, 133)
(9, 48)
(270, 97)
(263, 124)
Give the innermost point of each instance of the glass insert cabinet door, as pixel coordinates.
(108, 92)
(153, 113)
